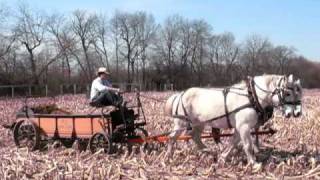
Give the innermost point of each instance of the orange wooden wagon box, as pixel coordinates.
(35, 125)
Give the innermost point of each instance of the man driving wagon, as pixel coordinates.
(102, 93)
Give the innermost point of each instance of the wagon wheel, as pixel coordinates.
(100, 141)
(26, 134)
(140, 133)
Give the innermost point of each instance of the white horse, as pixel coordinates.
(235, 108)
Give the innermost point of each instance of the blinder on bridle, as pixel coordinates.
(286, 96)
(283, 93)
(286, 93)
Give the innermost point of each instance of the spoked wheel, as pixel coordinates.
(140, 133)
(100, 141)
(26, 134)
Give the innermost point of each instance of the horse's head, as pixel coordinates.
(288, 94)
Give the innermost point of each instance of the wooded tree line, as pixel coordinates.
(41, 48)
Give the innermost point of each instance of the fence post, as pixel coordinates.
(74, 88)
(46, 90)
(88, 88)
(12, 91)
(61, 89)
(122, 87)
(171, 87)
(29, 90)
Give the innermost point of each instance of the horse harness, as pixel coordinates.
(264, 114)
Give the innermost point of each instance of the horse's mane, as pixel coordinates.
(270, 79)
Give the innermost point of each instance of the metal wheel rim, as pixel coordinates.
(100, 141)
(26, 135)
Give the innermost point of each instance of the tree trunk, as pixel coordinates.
(132, 71)
(117, 58)
(128, 69)
(69, 69)
(33, 67)
(85, 51)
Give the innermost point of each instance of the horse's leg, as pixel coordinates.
(255, 145)
(247, 142)
(177, 131)
(196, 136)
(234, 143)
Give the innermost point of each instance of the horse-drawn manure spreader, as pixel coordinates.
(35, 125)
(38, 125)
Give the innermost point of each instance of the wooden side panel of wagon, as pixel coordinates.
(68, 126)
(86, 127)
(47, 125)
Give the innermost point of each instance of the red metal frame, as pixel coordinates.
(161, 138)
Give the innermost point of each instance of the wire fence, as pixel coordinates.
(46, 90)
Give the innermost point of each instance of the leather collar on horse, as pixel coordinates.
(264, 114)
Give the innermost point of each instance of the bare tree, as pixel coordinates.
(167, 44)
(223, 55)
(30, 32)
(83, 25)
(229, 53)
(282, 56)
(115, 29)
(185, 35)
(147, 31)
(4, 13)
(128, 28)
(58, 28)
(7, 41)
(7, 38)
(255, 48)
(200, 35)
(100, 43)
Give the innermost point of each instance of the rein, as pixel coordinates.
(152, 98)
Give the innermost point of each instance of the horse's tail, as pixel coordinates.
(169, 104)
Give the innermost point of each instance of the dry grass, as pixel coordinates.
(290, 153)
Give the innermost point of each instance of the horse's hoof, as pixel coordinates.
(256, 167)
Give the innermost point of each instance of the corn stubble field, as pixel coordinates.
(290, 153)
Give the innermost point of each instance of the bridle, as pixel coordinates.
(279, 91)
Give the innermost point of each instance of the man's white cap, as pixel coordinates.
(102, 70)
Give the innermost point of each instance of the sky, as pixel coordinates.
(293, 23)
